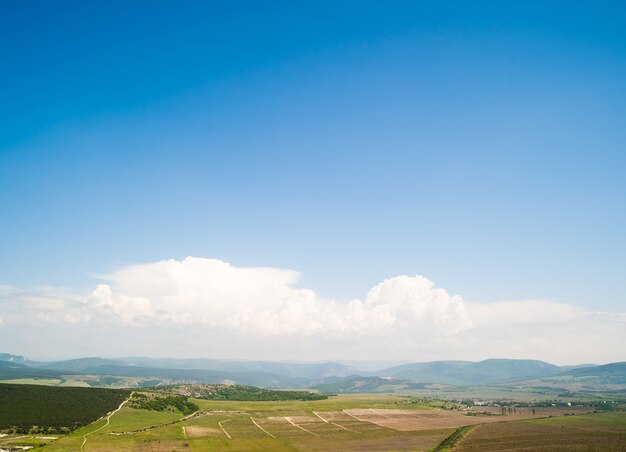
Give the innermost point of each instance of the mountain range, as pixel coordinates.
(325, 376)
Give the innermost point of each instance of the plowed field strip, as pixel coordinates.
(225, 432)
(301, 428)
(379, 413)
(346, 428)
(265, 431)
(352, 415)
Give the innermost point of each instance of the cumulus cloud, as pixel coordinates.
(261, 300)
(404, 317)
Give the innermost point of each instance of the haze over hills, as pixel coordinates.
(614, 373)
(11, 370)
(468, 373)
(294, 370)
(327, 376)
(267, 374)
(7, 357)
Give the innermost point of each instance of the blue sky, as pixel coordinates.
(476, 143)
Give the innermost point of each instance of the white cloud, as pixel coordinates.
(259, 312)
(264, 301)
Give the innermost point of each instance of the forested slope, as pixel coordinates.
(26, 408)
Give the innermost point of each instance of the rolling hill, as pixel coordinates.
(7, 357)
(80, 365)
(299, 371)
(194, 375)
(356, 384)
(608, 374)
(12, 371)
(472, 373)
(257, 373)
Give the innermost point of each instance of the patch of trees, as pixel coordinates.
(482, 413)
(451, 440)
(53, 409)
(240, 392)
(164, 403)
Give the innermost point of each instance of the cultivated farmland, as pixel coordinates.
(597, 431)
(283, 425)
(349, 422)
(344, 422)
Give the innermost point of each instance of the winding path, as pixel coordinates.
(107, 422)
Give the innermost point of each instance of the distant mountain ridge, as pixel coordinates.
(472, 373)
(331, 376)
(614, 373)
(11, 358)
(293, 370)
(11, 370)
(80, 364)
(7, 357)
(356, 384)
(257, 373)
